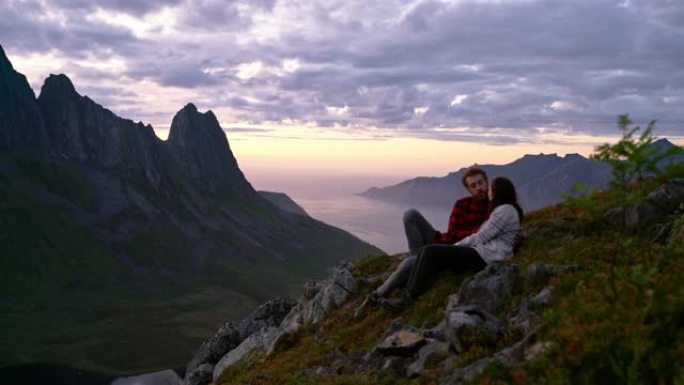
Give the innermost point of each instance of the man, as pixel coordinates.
(466, 217)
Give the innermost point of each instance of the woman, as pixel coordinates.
(493, 242)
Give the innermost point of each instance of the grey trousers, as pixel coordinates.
(419, 232)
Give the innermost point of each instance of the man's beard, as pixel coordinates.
(481, 196)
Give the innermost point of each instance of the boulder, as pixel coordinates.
(403, 343)
(428, 354)
(201, 368)
(659, 202)
(487, 289)
(329, 294)
(470, 319)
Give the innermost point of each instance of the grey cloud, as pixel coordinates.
(593, 58)
(77, 38)
(133, 7)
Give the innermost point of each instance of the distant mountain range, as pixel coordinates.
(92, 202)
(540, 180)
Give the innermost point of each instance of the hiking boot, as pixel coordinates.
(396, 303)
(372, 298)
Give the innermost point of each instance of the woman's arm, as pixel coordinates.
(499, 221)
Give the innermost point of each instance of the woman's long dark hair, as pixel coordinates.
(503, 193)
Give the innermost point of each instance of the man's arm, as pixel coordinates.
(456, 230)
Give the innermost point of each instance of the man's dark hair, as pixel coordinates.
(472, 172)
(503, 192)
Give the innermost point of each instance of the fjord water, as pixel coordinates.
(374, 221)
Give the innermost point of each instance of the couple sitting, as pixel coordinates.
(482, 229)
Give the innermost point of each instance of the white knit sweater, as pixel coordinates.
(494, 241)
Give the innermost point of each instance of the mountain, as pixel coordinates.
(96, 207)
(540, 180)
(284, 202)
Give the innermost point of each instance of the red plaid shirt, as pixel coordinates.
(465, 219)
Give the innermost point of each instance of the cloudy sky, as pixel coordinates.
(394, 88)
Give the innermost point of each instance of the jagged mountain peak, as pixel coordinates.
(4, 60)
(58, 85)
(21, 124)
(200, 145)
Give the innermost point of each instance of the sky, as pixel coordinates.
(325, 95)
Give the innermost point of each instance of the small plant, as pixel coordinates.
(632, 157)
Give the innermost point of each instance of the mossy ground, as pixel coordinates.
(620, 321)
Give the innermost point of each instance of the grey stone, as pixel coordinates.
(230, 335)
(428, 354)
(470, 318)
(524, 321)
(659, 202)
(334, 292)
(539, 273)
(255, 342)
(201, 374)
(487, 289)
(164, 377)
(395, 365)
(403, 343)
(509, 356)
(544, 297)
(537, 350)
(310, 290)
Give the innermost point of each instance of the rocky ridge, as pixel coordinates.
(484, 309)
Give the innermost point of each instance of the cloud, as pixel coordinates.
(504, 67)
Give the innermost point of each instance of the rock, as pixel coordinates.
(510, 356)
(395, 365)
(470, 318)
(539, 273)
(437, 333)
(403, 343)
(333, 292)
(524, 321)
(428, 354)
(537, 349)
(229, 336)
(164, 377)
(254, 342)
(310, 290)
(659, 202)
(487, 289)
(544, 297)
(201, 374)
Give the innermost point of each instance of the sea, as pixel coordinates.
(377, 222)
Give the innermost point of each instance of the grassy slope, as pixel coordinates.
(620, 322)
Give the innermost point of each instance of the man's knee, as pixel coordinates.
(411, 215)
